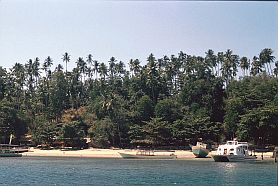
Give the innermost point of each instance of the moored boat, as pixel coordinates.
(200, 150)
(147, 154)
(233, 151)
(7, 150)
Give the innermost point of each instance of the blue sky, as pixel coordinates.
(132, 29)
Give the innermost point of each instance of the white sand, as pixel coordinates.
(114, 153)
(98, 153)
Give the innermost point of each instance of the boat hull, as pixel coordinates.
(10, 155)
(233, 158)
(138, 156)
(200, 152)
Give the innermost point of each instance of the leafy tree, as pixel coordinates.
(58, 94)
(168, 110)
(144, 109)
(204, 97)
(11, 122)
(251, 109)
(3, 75)
(192, 127)
(190, 96)
(154, 133)
(73, 132)
(259, 123)
(45, 133)
(102, 133)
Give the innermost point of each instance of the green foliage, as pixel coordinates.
(259, 123)
(168, 110)
(204, 97)
(103, 133)
(58, 94)
(168, 101)
(11, 122)
(193, 127)
(73, 130)
(45, 133)
(154, 132)
(144, 109)
(251, 108)
(234, 107)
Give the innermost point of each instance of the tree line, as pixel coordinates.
(167, 101)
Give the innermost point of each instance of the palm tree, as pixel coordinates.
(229, 67)
(66, 58)
(266, 58)
(36, 69)
(18, 72)
(137, 67)
(96, 67)
(89, 72)
(29, 74)
(275, 70)
(244, 64)
(176, 65)
(82, 66)
(90, 60)
(90, 63)
(256, 66)
(48, 62)
(112, 63)
(168, 74)
(211, 60)
(182, 57)
(120, 68)
(219, 61)
(103, 71)
(152, 76)
(131, 66)
(59, 68)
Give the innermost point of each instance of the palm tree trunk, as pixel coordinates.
(271, 72)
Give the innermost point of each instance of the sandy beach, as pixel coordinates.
(98, 153)
(114, 153)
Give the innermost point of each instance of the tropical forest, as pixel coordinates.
(160, 101)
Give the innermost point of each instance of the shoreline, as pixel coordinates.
(114, 153)
(99, 153)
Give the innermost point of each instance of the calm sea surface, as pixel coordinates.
(100, 172)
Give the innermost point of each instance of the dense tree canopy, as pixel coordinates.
(167, 101)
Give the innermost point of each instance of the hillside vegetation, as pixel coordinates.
(168, 101)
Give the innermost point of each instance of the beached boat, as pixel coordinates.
(200, 150)
(233, 151)
(7, 150)
(147, 154)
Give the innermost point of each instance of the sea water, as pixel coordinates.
(101, 172)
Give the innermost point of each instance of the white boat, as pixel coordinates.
(233, 151)
(147, 154)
